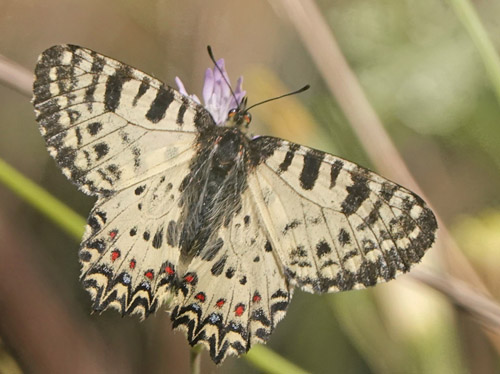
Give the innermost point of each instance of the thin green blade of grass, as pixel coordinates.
(62, 215)
(467, 14)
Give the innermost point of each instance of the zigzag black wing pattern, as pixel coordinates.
(334, 225)
(234, 293)
(125, 137)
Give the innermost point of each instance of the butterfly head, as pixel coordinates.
(227, 106)
(239, 117)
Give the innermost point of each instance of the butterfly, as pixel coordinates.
(195, 214)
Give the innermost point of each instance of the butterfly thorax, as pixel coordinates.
(211, 192)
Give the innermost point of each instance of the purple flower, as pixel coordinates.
(216, 93)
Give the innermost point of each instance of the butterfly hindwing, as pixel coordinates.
(129, 252)
(335, 225)
(233, 293)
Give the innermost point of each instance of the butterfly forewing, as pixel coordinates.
(107, 124)
(335, 225)
(199, 217)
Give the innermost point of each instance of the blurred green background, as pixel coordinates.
(421, 72)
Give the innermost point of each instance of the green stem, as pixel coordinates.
(195, 359)
(470, 19)
(270, 362)
(59, 213)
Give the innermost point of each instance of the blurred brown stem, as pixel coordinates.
(485, 310)
(15, 76)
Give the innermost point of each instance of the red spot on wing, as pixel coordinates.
(132, 264)
(220, 303)
(149, 274)
(189, 278)
(113, 233)
(256, 297)
(115, 254)
(200, 296)
(169, 270)
(238, 311)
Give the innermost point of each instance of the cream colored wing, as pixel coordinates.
(126, 137)
(334, 225)
(234, 293)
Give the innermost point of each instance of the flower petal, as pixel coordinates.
(182, 90)
(217, 92)
(208, 85)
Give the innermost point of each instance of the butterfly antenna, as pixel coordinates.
(306, 87)
(210, 53)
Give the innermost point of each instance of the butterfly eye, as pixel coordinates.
(247, 117)
(232, 113)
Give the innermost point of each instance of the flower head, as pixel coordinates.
(217, 93)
